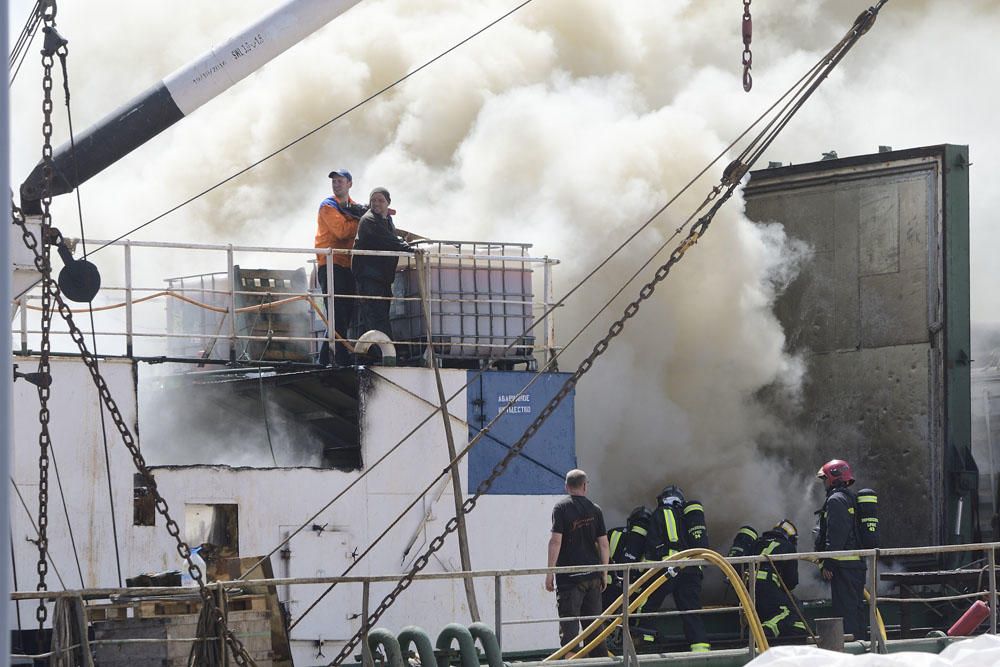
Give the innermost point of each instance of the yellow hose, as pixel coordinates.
(705, 554)
(878, 618)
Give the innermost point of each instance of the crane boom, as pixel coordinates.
(178, 95)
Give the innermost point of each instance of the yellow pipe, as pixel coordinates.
(646, 576)
(706, 554)
(878, 618)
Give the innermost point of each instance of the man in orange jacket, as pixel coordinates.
(336, 227)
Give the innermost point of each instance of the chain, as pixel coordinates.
(43, 262)
(50, 295)
(51, 291)
(747, 55)
(631, 310)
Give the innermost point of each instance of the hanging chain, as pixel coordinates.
(51, 294)
(631, 310)
(51, 291)
(747, 38)
(43, 262)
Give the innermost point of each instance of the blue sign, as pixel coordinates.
(541, 467)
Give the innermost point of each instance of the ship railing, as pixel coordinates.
(629, 571)
(474, 307)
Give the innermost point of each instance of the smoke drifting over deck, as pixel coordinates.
(565, 126)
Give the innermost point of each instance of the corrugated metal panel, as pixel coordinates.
(880, 313)
(548, 455)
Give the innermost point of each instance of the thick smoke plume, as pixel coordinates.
(566, 125)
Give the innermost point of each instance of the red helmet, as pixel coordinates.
(835, 473)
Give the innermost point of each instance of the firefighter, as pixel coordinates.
(628, 545)
(838, 531)
(774, 607)
(678, 525)
(742, 545)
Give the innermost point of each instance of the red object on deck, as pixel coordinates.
(970, 620)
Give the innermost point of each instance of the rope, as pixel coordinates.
(204, 651)
(69, 634)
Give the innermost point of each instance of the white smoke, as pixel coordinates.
(565, 125)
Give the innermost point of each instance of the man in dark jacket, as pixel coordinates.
(774, 607)
(373, 275)
(838, 532)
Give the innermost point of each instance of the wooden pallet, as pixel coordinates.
(107, 612)
(168, 607)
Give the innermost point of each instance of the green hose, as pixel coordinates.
(466, 645)
(491, 647)
(382, 637)
(412, 634)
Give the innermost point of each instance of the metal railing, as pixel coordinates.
(871, 556)
(467, 306)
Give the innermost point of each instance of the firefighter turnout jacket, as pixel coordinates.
(838, 529)
(676, 528)
(773, 604)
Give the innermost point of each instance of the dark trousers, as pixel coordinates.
(686, 589)
(580, 598)
(343, 310)
(847, 591)
(373, 313)
(776, 612)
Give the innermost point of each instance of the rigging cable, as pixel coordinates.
(52, 298)
(321, 126)
(24, 40)
(260, 379)
(69, 525)
(730, 181)
(17, 603)
(62, 52)
(550, 310)
(34, 526)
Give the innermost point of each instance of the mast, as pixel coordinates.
(178, 95)
(6, 350)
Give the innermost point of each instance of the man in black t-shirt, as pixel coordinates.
(578, 538)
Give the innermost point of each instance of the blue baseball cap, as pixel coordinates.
(341, 172)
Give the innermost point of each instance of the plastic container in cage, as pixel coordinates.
(480, 304)
(200, 330)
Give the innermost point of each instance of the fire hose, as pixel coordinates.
(756, 629)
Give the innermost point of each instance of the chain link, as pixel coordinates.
(51, 291)
(50, 294)
(631, 310)
(44, 366)
(747, 54)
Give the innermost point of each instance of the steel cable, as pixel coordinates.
(730, 180)
(550, 311)
(323, 125)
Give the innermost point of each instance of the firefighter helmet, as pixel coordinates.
(640, 515)
(836, 473)
(671, 495)
(788, 528)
